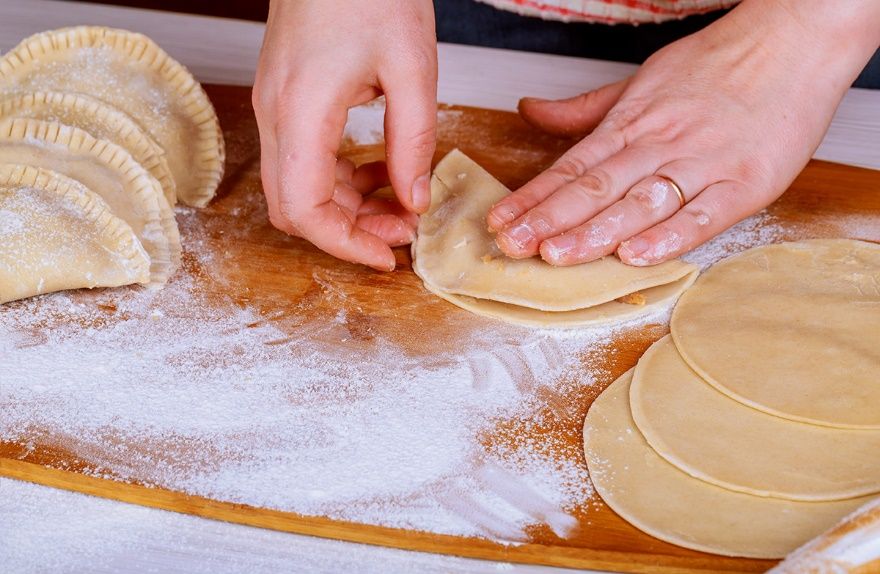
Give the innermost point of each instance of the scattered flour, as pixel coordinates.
(73, 533)
(223, 402)
(10, 223)
(759, 229)
(165, 389)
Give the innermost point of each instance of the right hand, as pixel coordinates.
(318, 59)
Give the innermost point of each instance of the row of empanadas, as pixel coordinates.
(109, 115)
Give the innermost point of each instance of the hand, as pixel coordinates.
(384, 218)
(319, 59)
(730, 114)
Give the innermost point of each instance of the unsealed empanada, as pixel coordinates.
(457, 259)
(101, 120)
(130, 72)
(57, 234)
(132, 194)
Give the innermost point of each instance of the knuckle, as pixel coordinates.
(649, 195)
(542, 221)
(422, 141)
(699, 216)
(593, 185)
(568, 168)
(420, 59)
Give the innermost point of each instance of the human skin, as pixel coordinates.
(319, 58)
(731, 114)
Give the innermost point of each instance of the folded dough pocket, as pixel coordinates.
(457, 259)
(57, 234)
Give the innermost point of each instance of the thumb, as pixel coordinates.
(410, 136)
(572, 116)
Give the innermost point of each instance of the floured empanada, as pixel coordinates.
(130, 72)
(132, 194)
(457, 258)
(57, 234)
(101, 120)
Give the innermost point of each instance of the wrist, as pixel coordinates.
(832, 39)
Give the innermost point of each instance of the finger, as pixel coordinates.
(391, 229)
(715, 209)
(369, 177)
(577, 201)
(587, 153)
(378, 206)
(344, 169)
(572, 116)
(269, 170)
(647, 203)
(411, 132)
(309, 131)
(348, 198)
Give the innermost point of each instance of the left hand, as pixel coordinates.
(730, 114)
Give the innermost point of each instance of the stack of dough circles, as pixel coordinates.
(717, 439)
(662, 500)
(754, 425)
(45, 212)
(129, 72)
(111, 114)
(457, 259)
(791, 329)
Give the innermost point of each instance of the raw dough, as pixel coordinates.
(131, 73)
(655, 298)
(790, 329)
(102, 121)
(717, 439)
(56, 234)
(455, 255)
(108, 170)
(665, 502)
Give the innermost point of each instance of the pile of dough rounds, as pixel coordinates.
(755, 425)
(101, 132)
(457, 259)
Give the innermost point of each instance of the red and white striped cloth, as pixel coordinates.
(610, 11)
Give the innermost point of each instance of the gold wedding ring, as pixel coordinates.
(678, 192)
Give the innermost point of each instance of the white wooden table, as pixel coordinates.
(43, 529)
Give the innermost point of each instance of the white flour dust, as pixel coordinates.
(163, 389)
(48, 530)
(219, 400)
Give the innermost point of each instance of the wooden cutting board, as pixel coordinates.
(268, 270)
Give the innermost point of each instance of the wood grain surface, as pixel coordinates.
(269, 271)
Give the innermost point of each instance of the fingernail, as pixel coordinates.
(499, 217)
(557, 248)
(519, 235)
(421, 194)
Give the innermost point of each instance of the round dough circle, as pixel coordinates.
(655, 298)
(663, 501)
(717, 439)
(791, 329)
